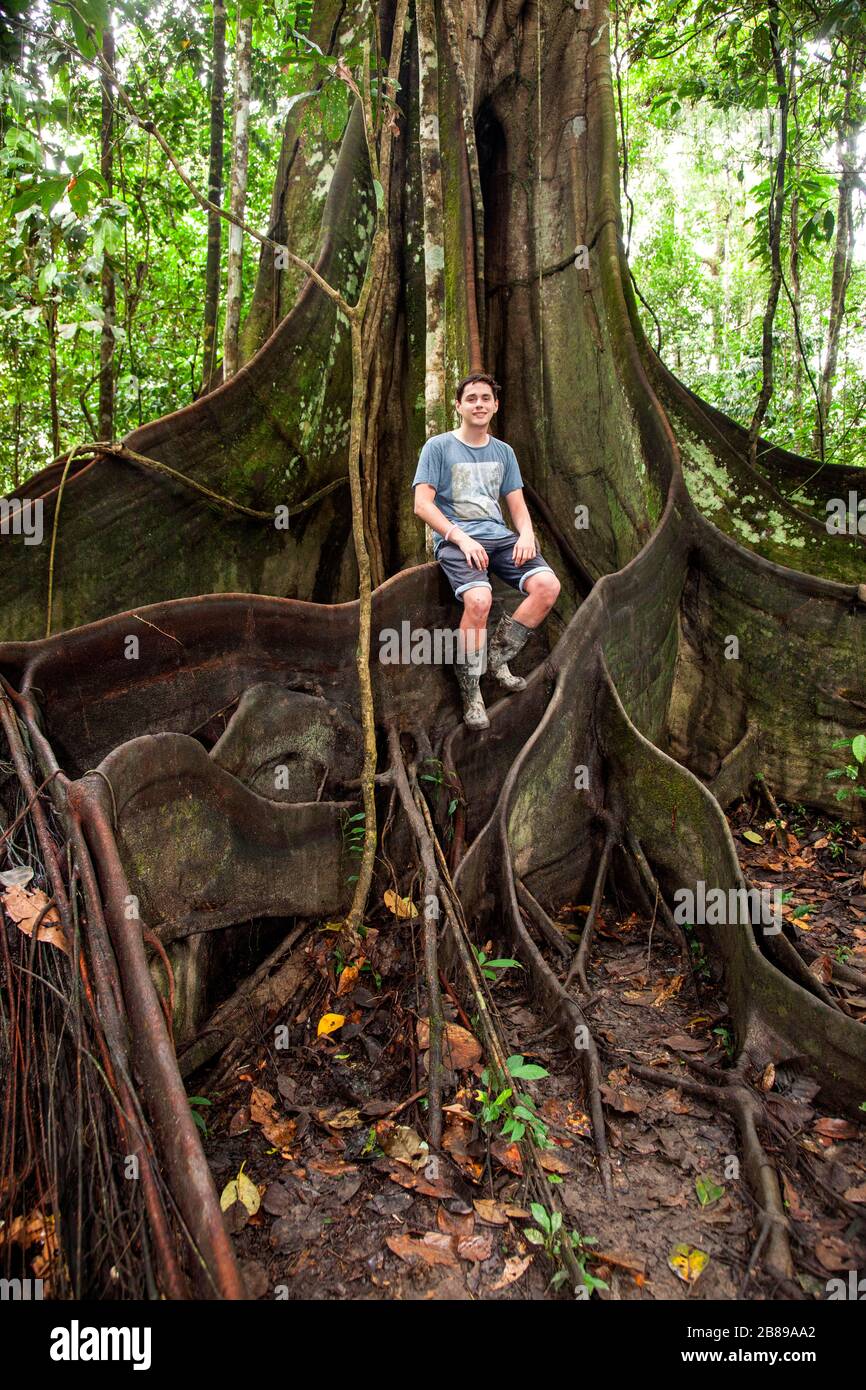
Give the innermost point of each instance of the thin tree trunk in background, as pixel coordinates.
(434, 254)
(51, 326)
(240, 161)
(215, 190)
(109, 305)
(842, 262)
(794, 265)
(774, 231)
(794, 270)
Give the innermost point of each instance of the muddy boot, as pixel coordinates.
(505, 643)
(469, 672)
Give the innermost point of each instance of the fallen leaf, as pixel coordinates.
(497, 1213)
(349, 978)
(707, 1189)
(263, 1107)
(476, 1248)
(621, 1101)
(16, 878)
(853, 1194)
(433, 1249)
(329, 1023)
(514, 1267)
(401, 907)
(822, 968)
(454, 1225)
(688, 1263)
(753, 837)
(241, 1189)
(681, 1042)
(792, 1199)
(240, 1121)
(24, 906)
(833, 1253)
(459, 1049)
(768, 1077)
(400, 1142)
(345, 1119)
(332, 1167)
(835, 1129)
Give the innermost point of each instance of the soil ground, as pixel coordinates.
(330, 1129)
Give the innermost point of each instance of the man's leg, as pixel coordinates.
(537, 581)
(473, 624)
(473, 589)
(470, 664)
(542, 591)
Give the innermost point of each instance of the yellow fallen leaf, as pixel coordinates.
(753, 837)
(241, 1189)
(401, 907)
(329, 1023)
(688, 1262)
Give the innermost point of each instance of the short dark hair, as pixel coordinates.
(479, 376)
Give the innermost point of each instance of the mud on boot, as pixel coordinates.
(469, 672)
(508, 639)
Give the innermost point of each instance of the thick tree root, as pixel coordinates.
(744, 1107)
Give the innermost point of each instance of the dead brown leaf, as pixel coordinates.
(835, 1129)
(681, 1042)
(476, 1248)
(459, 1048)
(453, 1225)
(24, 906)
(433, 1249)
(514, 1267)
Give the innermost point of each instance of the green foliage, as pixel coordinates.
(489, 968)
(854, 771)
(549, 1235)
(500, 1101)
(699, 84)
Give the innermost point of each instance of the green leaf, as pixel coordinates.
(708, 1191)
(529, 1071)
(858, 748)
(534, 1237)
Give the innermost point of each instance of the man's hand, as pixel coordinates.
(473, 550)
(524, 548)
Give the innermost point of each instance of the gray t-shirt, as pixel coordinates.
(469, 480)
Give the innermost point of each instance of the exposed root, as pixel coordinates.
(581, 955)
(553, 937)
(744, 1107)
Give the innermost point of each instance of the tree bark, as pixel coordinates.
(238, 197)
(107, 342)
(686, 543)
(215, 188)
(843, 259)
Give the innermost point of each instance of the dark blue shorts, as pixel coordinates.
(462, 576)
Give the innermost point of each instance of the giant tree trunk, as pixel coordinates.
(687, 544)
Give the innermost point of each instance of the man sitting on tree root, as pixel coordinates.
(458, 482)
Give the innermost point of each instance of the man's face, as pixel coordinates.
(477, 406)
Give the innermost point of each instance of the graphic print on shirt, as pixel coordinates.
(475, 489)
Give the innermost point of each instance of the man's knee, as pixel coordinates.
(544, 586)
(477, 601)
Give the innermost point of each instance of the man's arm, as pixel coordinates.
(525, 547)
(425, 507)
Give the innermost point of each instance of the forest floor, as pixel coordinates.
(329, 1129)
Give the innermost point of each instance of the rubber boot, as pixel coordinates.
(469, 672)
(508, 639)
